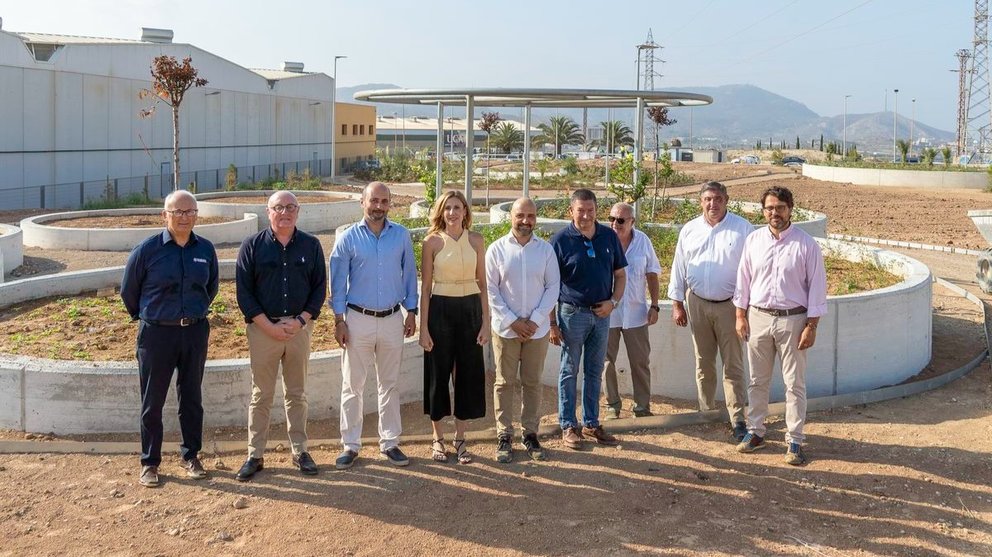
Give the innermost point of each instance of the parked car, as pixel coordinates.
(793, 161)
(366, 165)
(747, 159)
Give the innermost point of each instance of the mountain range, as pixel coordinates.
(740, 116)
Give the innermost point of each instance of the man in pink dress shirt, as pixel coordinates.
(781, 295)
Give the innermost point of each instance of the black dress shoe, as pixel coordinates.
(249, 468)
(346, 459)
(306, 463)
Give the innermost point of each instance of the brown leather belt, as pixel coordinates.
(782, 312)
(184, 322)
(713, 301)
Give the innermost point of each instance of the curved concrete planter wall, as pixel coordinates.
(983, 221)
(11, 248)
(856, 350)
(420, 208)
(315, 215)
(38, 234)
(900, 178)
(816, 226)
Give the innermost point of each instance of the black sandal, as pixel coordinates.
(438, 451)
(464, 457)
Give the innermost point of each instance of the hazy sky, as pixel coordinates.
(810, 51)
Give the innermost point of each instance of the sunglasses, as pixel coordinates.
(589, 251)
(619, 220)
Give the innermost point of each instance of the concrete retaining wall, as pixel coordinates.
(900, 178)
(983, 221)
(38, 234)
(816, 226)
(315, 215)
(11, 248)
(420, 208)
(867, 340)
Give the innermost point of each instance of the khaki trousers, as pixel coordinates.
(771, 335)
(375, 347)
(266, 355)
(519, 365)
(638, 355)
(714, 328)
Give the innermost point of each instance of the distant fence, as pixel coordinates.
(73, 195)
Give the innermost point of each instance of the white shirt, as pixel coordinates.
(523, 282)
(706, 258)
(632, 311)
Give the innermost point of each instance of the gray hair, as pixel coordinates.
(176, 196)
(714, 186)
(624, 207)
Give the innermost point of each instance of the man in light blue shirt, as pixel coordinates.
(373, 274)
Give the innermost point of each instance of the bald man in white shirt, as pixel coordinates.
(704, 275)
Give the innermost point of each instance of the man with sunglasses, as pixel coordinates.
(781, 295)
(169, 282)
(704, 275)
(282, 283)
(591, 265)
(633, 315)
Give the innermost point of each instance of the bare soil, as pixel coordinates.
(125, 221)
(903, 477)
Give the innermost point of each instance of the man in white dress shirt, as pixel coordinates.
(523, 282)
(633, 315)
(704, 274)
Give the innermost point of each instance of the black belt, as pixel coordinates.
(725, 300)
(592, 307)
(374, 313)
(782, 312)
(184, 322)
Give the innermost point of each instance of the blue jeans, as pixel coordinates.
(584, 337)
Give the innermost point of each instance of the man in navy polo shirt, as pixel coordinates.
(169, 281)
(591, 263)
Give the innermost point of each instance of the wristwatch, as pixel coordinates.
(303, 322)
(656, 307)
(615, 302)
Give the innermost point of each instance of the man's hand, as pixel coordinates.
(743, 328)
(278, 331)
(410, 325)
(555, 335)
(679, 315)
(341, 333)
(807, 338)
(524, 328)
(652, 316)
(603, 309)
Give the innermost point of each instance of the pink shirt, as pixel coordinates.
(782, 273)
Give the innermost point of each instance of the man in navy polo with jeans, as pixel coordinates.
(169, 281)
(591, 263)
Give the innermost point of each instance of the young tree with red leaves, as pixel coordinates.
(170, 81)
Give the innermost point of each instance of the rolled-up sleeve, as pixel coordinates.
(742, 293)
(677, 281)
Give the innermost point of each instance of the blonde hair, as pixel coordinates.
(437, 212)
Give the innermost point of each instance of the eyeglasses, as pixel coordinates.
(291, 208)
(589, 251)
(619, 220)
(182, 212)
(775, 209)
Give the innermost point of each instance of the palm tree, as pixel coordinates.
(506, 137)
(615, 134)
(560, 131)
(903, 147)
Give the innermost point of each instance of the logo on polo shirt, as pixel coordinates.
(199, 260)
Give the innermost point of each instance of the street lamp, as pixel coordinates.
(911, 122)
(334, 106)
(895, 116)
(394, 134)
(844, 154)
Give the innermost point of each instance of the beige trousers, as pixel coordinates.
(519, 365)
(375, 347)
(638, 355)
(714, 329)
(266, 355)
(771, 335)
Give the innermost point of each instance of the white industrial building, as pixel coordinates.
(70, 128)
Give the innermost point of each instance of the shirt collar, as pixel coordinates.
(782, 235)
(167, 237)
(272, 235)
(388, 224)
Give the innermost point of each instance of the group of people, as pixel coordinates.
(583, 290)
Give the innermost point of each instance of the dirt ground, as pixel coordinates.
(902, 477)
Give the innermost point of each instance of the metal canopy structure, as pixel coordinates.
(528, 98)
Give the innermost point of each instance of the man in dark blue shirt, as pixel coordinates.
(169, 281)
(591, 262)
(281, 287)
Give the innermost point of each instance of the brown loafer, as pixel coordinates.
(600, 435)
(572, 438)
